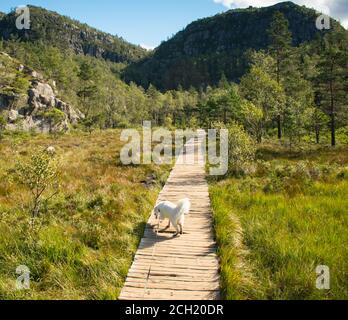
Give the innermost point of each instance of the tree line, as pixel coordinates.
(287, 92)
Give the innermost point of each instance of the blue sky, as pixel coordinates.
(144, 22)
(148, 22)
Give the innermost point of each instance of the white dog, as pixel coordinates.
(175, 213)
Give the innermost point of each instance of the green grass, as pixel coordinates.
(90, 230)
(277, 225)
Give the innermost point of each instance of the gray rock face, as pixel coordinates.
(13, 115)
(41, 96)
(36, 110)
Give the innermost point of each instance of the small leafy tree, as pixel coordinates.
(259, 87)
(40, 176)
(297, 119)
(91, 123)
(253, 120)
(241, 148)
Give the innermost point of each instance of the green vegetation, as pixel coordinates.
(3, 123)
(84, 237)
(38, 174)
(287, 86)
(276, 224)
(281, 216)
(207, 48)
(241, 148)
(12, 81)
(56, 30)
(75, 218)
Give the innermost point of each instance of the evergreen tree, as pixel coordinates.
(332, 80)
(280, 45)
(155, 100)
(318, 120)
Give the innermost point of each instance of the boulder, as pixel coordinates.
(74, 115)
(41, 95)
(43, 89)
(36, 75)
(13, 115)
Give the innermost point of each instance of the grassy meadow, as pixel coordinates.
(274, 224)
(277, 223)
(86, 235)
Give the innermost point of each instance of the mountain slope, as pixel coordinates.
(51, 28)
(209, 47)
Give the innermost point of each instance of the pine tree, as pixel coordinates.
(155, 103)
(333, 77)
(280, 45)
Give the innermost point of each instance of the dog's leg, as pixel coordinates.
(181, 224)
(177, 230)
(181, 229)
(166, 228)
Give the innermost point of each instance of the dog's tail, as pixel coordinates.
(184, 206)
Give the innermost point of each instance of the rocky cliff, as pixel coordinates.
(30, 102)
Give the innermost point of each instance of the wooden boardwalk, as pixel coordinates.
(186, 267)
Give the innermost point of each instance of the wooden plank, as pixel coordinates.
(172, 277)
(188, 263)
(165, 294)
(198, 274)
(174, 285)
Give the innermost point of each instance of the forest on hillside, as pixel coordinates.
(74, 214)
(291, 91)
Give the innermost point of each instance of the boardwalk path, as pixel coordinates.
(186, 267)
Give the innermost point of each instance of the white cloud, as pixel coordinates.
(244, 3)
(336, 8)
(147, 47)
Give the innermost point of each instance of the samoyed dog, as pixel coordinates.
(175, 214)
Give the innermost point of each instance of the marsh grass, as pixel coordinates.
(275, 226)
(89, 232)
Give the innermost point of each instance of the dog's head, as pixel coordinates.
(157, 212)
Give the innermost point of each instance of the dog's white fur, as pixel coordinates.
(175, 213)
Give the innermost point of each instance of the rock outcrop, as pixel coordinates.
(38, 109)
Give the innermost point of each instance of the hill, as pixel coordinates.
(54, 29)
(207, 48)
